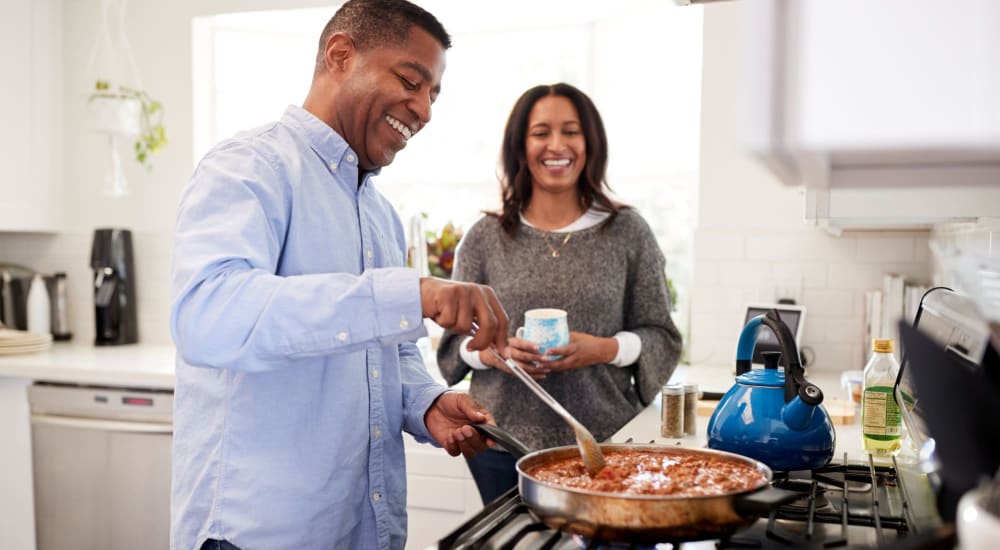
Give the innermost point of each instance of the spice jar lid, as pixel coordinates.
(673, 389)
(690, 388)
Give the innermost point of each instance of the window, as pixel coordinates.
(640, 61)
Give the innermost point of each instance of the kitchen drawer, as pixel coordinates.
(435, 493)
(432, 461)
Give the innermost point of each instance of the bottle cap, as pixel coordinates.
(882, 345)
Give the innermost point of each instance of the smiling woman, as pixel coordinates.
(247, 65)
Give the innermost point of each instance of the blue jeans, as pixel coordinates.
(494, 473)
(211, 544)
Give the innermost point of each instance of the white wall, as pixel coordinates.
(160, 36)
(752, 238)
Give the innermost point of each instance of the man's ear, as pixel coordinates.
(339, 52)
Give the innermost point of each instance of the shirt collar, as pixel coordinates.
(328, 144)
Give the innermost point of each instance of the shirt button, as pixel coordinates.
(342, 337)
(333, 166)
(350, 158)
(378, 432)
(374, 373)
(376, 496)
(403, 323)
(370, 254)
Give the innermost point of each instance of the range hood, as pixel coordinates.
(881, 126)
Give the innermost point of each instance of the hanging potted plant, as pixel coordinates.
(129, 113)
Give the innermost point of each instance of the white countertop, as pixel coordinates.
(132, 365)
(151, 366)
(646, 426)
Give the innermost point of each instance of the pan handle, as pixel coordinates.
(504, 438)
(763, 501)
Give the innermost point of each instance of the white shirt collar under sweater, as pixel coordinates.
(590, 218)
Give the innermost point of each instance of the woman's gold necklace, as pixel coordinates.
(555, 251)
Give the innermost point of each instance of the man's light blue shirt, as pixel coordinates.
(294, 319)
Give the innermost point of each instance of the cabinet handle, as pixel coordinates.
(103, 425)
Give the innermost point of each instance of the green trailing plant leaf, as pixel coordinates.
(152, 136)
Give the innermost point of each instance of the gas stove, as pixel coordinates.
(843, 505)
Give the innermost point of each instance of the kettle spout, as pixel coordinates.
(797, 414)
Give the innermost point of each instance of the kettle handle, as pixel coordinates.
(747, 342)
(795, 378)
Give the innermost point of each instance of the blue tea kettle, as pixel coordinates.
(771, 415)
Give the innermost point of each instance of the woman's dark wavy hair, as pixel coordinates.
(515, 179)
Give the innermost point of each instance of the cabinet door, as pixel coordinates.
(894, 74)
(885, 111)
(30, 99)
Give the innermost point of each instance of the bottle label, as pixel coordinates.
(880, 416)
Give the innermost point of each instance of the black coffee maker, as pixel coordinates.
(114, 287)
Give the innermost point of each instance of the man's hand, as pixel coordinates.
(524, 352)
(465, 308)
(448, 421)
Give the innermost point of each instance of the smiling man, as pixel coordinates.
(295, 318)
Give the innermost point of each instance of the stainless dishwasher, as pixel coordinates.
(101, 466)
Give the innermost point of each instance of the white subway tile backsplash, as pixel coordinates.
(830, 301)
(915, 273)
(70, 253)
(719, 246)
(718, 300)
(757, 295)
(743, 273)
(855, 276)
(839, 357)
(921, 249)
(814, 329)
(886, 249)
(706, 273)
(843, 329)
(772, 247)
(817, 245)
(809, 274)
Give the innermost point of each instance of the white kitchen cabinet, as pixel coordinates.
(885, 112)
(30, 108)
(441, 494)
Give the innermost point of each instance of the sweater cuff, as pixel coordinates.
(470, 357)
(629, 348)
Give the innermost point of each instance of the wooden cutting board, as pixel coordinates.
(841, 411)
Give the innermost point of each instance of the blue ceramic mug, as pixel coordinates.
(546, 327)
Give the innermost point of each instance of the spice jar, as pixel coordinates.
(672, 411)
(690, 409)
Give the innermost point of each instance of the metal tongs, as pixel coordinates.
(590, 450)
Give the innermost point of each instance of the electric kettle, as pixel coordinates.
(773, 415)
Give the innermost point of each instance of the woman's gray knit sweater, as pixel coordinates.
(608, 279)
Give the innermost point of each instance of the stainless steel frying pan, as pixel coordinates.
(638, 518)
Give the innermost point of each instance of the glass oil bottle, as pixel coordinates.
(881, 421)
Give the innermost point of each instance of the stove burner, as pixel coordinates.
(855, 504)
(593, 544)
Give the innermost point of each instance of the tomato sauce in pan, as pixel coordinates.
(654, 473)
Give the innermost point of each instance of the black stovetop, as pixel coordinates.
(843, 505)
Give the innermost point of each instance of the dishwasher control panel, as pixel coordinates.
(144, 404)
